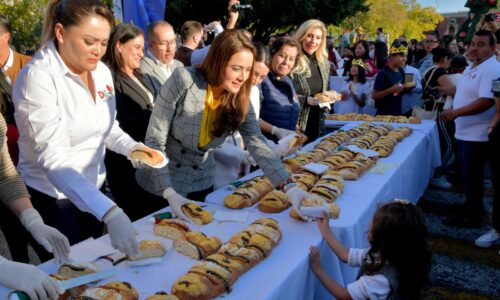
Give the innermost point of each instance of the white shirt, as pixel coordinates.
(64, 133)
(475, 83)
(255, 100)
(9, 62)
(348, 105)
(166, 69)
(414, 97)
(367, 286)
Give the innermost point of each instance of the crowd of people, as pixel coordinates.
(215, 108)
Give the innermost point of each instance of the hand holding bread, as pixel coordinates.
(176, 202)
(142, 156)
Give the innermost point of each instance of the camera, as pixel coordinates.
(490, 17)
(495, 87)
(240, 7)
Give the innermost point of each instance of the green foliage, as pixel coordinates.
(396, 17)
(267, 16)
(26, 18)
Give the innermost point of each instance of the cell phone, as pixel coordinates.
(495, 87)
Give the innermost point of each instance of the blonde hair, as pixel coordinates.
(321, 54)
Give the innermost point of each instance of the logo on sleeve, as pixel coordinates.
(106, 94)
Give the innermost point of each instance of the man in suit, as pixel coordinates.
(159, 63)
(11, 61)
(191, 36)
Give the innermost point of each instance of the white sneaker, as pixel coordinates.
(487, 239)
(441, 182)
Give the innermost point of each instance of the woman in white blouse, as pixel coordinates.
(65, 111)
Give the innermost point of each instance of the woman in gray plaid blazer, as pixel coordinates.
(176, 124)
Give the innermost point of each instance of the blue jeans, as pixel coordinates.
(472, 157)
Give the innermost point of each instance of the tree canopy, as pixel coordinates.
(396, 17)
(25, 18)
(267, 16)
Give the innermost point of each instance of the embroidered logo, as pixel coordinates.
(106, 94)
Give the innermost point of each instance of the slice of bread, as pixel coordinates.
(171, 229)
(197, 214)
(149, 249)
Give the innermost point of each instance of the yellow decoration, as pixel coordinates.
(359, 62)
(400, 49)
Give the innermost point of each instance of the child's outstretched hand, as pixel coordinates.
(324, 225)
(314, 259)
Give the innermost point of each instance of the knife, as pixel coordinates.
(70, 283)
(77, 281)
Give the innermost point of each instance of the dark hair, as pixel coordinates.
(457, 64)
(414, 42)
(189, 28)
(447, 39)
(399, 236)
(70, 13)
(379, 29)
(281, 42)
(234, 107)
(122, 33)
(5, 24)
(491, 37)
(440, 53)
(361, 74)
(262, 54)
(367, 49)
(381, 53)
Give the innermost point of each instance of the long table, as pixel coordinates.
(285, 274)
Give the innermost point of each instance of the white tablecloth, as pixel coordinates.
(411, 167)
(286, 274)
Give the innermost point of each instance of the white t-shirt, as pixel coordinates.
(255, 100)
(367, 286)
(348, 105)
(475, 83)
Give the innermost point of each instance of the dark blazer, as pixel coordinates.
(132, 105)
(174, 128)
(303, 91)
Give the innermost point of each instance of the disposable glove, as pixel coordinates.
(50, 238)
(248, 159)
(121, 231)
(296, 197)
(280, 132)
(27, 278)
(176, 202)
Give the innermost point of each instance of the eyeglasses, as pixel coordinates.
(164, 44)
(431, 41)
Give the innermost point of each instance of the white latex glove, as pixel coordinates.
(121, 231)
(50, 238)
(280, 132)
(296, 197)
(312, 101)
(139, 164)
(248, 159)
(176, 202)
(277, 149)
(27, 278)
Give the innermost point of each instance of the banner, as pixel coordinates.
(142, 12)
(118, 11)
